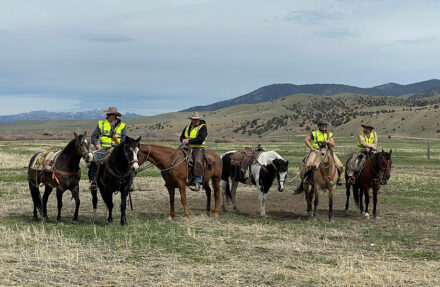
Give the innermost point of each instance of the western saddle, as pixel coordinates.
(243, 159)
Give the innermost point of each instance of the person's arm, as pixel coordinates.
(124, 133)
(374, 145)
(331, 142)
(182, 136)
(307, 142)
(95, 137)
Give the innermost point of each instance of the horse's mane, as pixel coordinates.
(69, 147)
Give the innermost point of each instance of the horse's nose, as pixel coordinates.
(135, 166)
(90, 158)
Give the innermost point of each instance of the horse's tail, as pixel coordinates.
(226, 172)
(36, 197)
(356, 194)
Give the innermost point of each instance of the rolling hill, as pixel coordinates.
(277, 91)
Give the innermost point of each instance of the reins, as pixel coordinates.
(157, 163)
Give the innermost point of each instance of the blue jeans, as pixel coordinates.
(100, 153)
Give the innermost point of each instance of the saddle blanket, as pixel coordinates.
(45, 160)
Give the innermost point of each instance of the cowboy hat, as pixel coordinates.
(195, 116)
(367, 125)
(112, 110)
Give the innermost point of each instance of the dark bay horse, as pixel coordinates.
(173, 165)
(376, 172)
(64, 174)
(116, 175)
(268, 166)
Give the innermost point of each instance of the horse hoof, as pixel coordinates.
(367, 216)
(124, 223)
(216, 215)
(35, 218)
(75, 221)
(346, 212)
(170, 218)
(59, 219)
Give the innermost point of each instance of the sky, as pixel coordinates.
(152, 57)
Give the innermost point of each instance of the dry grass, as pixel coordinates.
(399, 248)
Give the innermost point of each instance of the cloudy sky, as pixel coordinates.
(152, 57)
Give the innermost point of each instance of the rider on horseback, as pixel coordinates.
(194, 135)
(108, 133)
(367, 143)
(319, 137)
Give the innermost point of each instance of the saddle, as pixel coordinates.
(244, 159)
(207, 163)
(44, 161)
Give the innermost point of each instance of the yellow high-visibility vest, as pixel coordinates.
(318, 137)
(193, 134)
(105, 129)
(369, 140)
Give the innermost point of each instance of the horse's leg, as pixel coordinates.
(367, 199)
(47, 192)
(208, 197)
(330, 202)
(223, 184)
(361, 194)
(124, 193)
(234, 185)
(375, 191)
(94, 193)
(182, 190)
(107, 196)
(171, 192)
(261, 200)
(75, 194)
(216, 185)
(36, 199)
(59, 202)
(316, 188)
(309, 197)
(347, 193)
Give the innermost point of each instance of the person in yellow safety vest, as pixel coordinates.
(108, 133)
(366, 143)
(321, 135)
(194, 135)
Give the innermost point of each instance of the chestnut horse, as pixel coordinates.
(376, 172)
(174, 169)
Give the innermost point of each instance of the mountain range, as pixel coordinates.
(277, 91)
(46, 115)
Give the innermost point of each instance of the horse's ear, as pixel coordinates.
(139, 139)
(287, 162)
(85, 133)
(391, 151)
(74, 133)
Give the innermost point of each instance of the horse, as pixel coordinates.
(376, 172)
(173, 164)
(63, 174)
(268, 166)
(325, 177)
(116, 174)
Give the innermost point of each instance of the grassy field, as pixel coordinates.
(399, 248)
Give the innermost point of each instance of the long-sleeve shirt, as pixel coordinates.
(96, 135)
(203, 133)
(362, 142)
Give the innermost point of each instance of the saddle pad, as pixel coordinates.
(45, 160)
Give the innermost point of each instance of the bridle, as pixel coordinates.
(173, 165)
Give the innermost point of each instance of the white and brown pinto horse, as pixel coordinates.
(268, 166)
(325, 177)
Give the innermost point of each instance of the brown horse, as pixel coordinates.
(325, 177)
(376, 172)
(173, 165)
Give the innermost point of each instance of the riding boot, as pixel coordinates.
(339, 181)
(198, 184)
(308, 175)
(299, 189)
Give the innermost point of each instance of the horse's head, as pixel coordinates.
(82, 146)
(281, 167)
(322, 155)
(131, 149)
(385, 166)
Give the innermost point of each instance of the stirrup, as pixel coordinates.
(196, 187)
